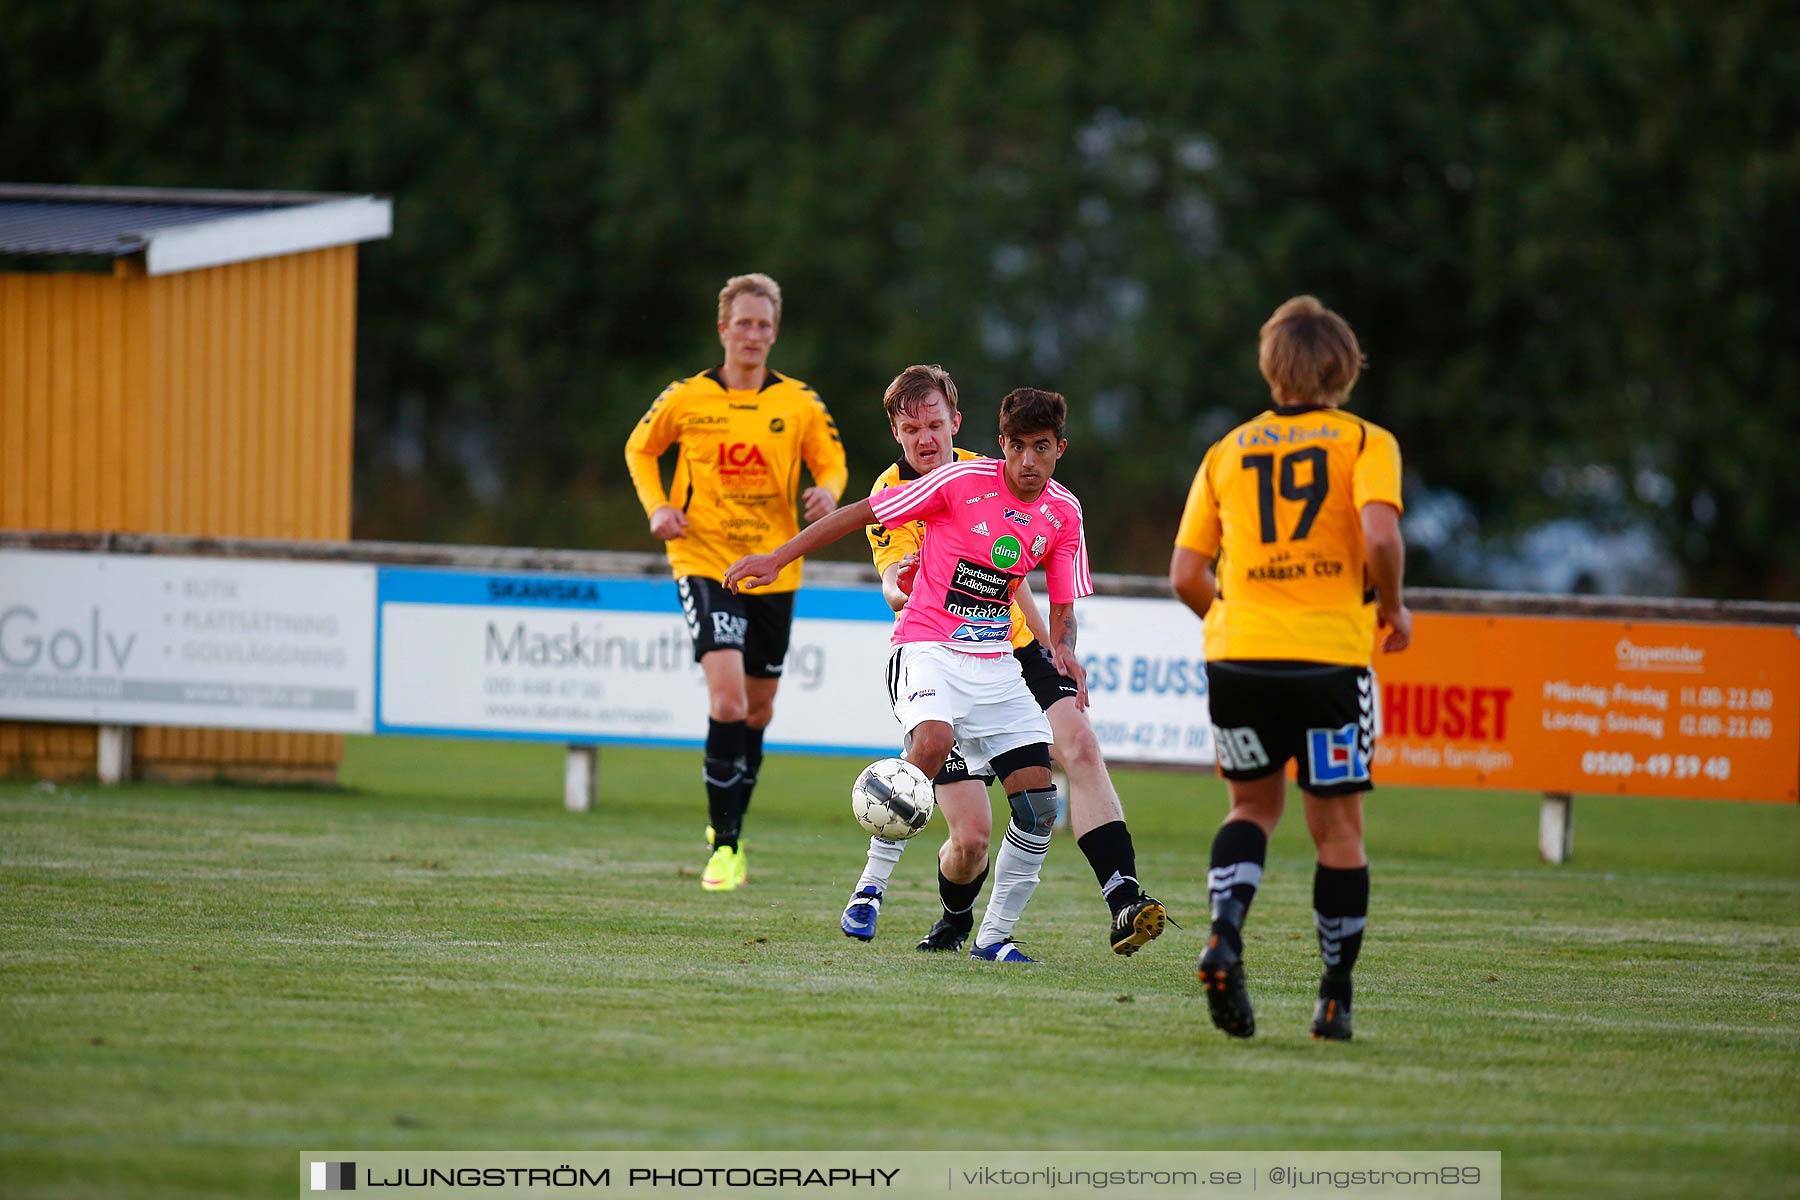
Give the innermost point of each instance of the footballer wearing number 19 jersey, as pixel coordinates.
(1290, 551)
(1291, 565)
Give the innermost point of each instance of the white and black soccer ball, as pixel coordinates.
(893, 799)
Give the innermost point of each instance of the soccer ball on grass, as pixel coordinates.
(893, 799)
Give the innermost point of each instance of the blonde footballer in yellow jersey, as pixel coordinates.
(921, 405)
(1299, 509)
(737, 467)
(741, 433)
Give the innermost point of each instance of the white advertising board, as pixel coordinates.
(212, 642)
(1146, 680)
(608, 660)
(601, 659)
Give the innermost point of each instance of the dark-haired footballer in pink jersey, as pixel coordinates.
(952, 678)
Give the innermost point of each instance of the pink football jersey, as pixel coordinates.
(980, 541)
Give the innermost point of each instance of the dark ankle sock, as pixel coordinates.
(1340, 910)
(723, 771)
(1238, 852)
(959, 898)
(1109, 852)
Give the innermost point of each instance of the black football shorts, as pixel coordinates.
(1047, 684)
(956, 769)
(1266, 711)
(718, 619)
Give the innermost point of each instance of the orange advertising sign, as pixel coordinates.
(1551, 704)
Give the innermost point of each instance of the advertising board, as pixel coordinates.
(601, 659)
(609, 660)
(1556, 704)
(215, 642)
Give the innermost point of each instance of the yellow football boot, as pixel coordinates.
(724, 870)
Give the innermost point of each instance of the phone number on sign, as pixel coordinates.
(1659, 766)
(1151, 735)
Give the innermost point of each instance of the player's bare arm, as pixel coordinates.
(1192, 578)
(760, 570)
(897, 581)
(1062, 649)
(1384, 552)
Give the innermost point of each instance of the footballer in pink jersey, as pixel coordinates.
(951, 679)
(921, 407)
(982, 540)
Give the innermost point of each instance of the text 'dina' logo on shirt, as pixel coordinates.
(1006, 552)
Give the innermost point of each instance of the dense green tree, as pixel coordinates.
(1558, 229)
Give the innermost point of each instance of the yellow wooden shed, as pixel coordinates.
(178, 361)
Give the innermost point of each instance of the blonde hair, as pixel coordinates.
(913, 386)
(749, 285)
(1308, 354)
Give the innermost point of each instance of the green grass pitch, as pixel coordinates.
(200, 982)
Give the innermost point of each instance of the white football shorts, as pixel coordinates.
(983, 699)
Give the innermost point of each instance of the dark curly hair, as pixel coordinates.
(1033, 410)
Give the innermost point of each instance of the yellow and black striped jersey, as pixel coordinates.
(737, 467)
(889, 546)
(1279, 501)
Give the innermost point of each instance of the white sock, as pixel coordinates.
(883, 854)
(1015, 878)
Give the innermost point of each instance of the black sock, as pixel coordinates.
(723, 771)
(752, 764)
(1238, 851)
(1109, 852)
(1340, 910)
(959, 898)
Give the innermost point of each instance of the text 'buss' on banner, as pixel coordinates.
(1146, 680)
(209, 642)
(1648, 708)
(606, 659)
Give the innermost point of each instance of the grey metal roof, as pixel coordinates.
(207, 227)
(28, 227)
